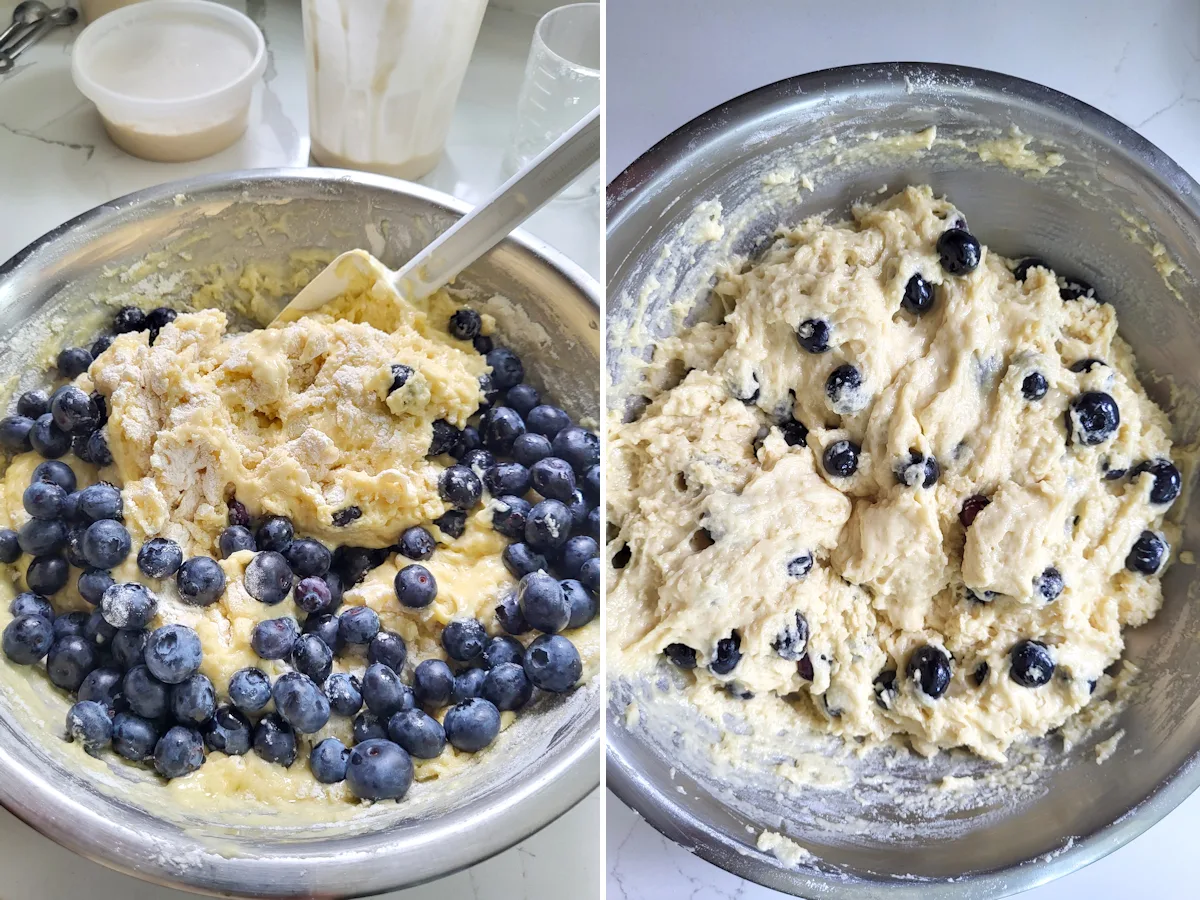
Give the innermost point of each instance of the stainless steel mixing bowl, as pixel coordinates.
(541, 766)
(1111, 208)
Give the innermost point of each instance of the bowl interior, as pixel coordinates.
(165, 243)
(1074, 187)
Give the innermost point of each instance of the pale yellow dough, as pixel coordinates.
(892, 562)
(294, 420)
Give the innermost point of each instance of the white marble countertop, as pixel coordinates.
(1139, 62)
(56, 162)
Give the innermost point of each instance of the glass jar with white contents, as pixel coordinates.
(383, 78)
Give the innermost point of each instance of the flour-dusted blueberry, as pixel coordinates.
(844, 390)
(433, 683)
(311, 656)
(70, 624)
(160, 558)
(500, 428)
(727, 655)
(792, 641)
(69, 661)
(274, 638)
(193, 700)
(379, 770)
(46, 438)
(814, 335)
(579, 447)
(268, 577)
(465, 324)
(389, 649)
(452, 523)
(1147, 554)
(129, 318)
(553, 478)
(467, 684)
(173, 653)
(93, 583)
(460, 487)
(10, 546)
(56, 472)
(584, 605)
(507, 479)
(383, 692)
(1034, 386)
(250, 689)
(344, 693)
(328, 628)
(346, 515)
(179, 752)
(159, 318)
(358, 625)
(917, 470)
(44, 500)
(507, 369)
(1093, 417)
(73, 361)
(307, 557)
(1031, 664)
(47, 574)
(443, 438)
(27, 639)
(1167, 482)
(543, 603)
(133, 737)
(520, 559)
(547, 420)
(274, 740)
(464, 639)
(88, 723)
(416, 543)
(16, 434)
(523, 398)
(509, 515)
(106, 544)
(28, 603)
(73, 411)
(552, 663)
(33, 404)
(367, 726)
(508, 614)
(145, 694)
(1049, 585)
(101, 344)
(104, 686)
(38, 537)
(300, 702)
(841, 458)
(228, 732)
(548, 526)
(529, 449)
(129, 647)
(884, 687)
(929, 667)
(958, 251)
(128, 605)
(400, 375)
(201, 581)
(472, 725)
(328, 760)
(478, 461)
(918, 295)
(275, 533)
(800, 566)
(680, 655)
(97, 630)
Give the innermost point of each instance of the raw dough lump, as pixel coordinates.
(860, 604)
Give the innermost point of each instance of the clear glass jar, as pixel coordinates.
(383, 78)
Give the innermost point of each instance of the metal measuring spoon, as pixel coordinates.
(63, 15)
(28, 12)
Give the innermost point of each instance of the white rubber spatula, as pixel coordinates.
(471, 236)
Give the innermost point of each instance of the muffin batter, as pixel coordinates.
(854, 505)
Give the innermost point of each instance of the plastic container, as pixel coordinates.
(383, 78)
(172, 79)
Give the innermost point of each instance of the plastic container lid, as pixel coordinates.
(173, 79)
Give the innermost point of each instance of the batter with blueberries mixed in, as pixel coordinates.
(312, 561)
(907, 489)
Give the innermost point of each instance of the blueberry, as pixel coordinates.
(73, 362)
(44, 500)
(367, 726)
(27, 639)
(575, 552)
(1035, 386)
(814, 335)
(799, 566)
(173, 653)
(344, 693)
(433, 683)
(129, 647)
(333, 581)
(917, 470)
(472, 725)
(307, 557)
(30, 604)
(589, 576)
(1147, 554)
(1074, 288)
(844, 390)
(548, 525)
(100, 501)
(388, 648)
(358, 625)
(841, 458)
(884, 687)
(89, 724)
(56, 472)
(106, 544)
(467, 684)
(584, 605)
(728, 654)
(400, 375)
(311, 656)
(327, 628)
(543, 603)
(383, 692)
(508, 614)
(268, 577)
(250, 689)
(235, 538)
(101, 344)
(579, 447)
(145, 694)
(523, 398)
(452, 523)
(97, 631)
(273, 638)
(500, 429)
(79, 446)
(344, 517)
(465, 324)
(300, 702)
(101, 403)
(958, 251)
(1031, 664)
(509, 515)
(128, 605)
(274, 740)
(1049, 584)
(478, 461)
(460, 487)
(73, 411)
(104, 686)
(133, 737)
(179, 752)
(93, 583)
(1021, 270)
(464, 639)
(1093, 418)
(553, 478)
(444, 438)
(929, 666)
(552, 663)
(328, 760)
(16, 434)
(507, 369)
(129, 318)
(97, 449)
(33, 404)
(193, 700)
(70, 624)
(792, 642)
(228, 732)
(38, 537)
(69, 660)
(1167, 482)
(47, 575)
(275, 533)
(417, 733)
(979, 676)
(680, 655)
(918, 296)
(10, 546)
(547, 420)
(507, 686)
(379, 770)
(73, 550)
(160, 317)
(416, 543)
